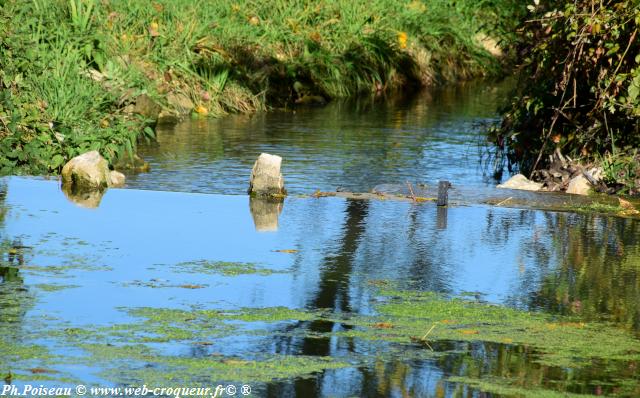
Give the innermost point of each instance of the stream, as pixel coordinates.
(182, 280)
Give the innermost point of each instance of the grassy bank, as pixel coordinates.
(579, 89)
(83, 74)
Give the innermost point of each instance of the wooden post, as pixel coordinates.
(441, 217)
(443, 195)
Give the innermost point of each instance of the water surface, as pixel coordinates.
(69, 269)
(347, 145)
(310, 297)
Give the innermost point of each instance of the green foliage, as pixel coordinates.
(623, 167)
(50, 108)
(72, 69)
(579, 84)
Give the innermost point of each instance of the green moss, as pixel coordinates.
(167, 370)
(221, 267)
(156, 346)
(54, 287)
(498, 386)
(560, 341)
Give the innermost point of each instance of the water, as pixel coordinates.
(186, 289)
(353, 146)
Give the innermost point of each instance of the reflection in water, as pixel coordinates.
(84, 198)
(15, 298)
(586, 266)
(265, 213)
(352, 145)
(595, 269)
(442, 217)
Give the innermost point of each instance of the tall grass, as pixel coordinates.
(226, 56)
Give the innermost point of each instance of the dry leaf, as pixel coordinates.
(192, 286)
(42, 370)
(153, 29)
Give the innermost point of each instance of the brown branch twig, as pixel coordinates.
(568, 72)
(412, 195)
(631, 40)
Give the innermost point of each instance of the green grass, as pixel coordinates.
(71, 70)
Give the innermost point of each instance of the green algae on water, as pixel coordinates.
(497, 386)
(167, 370)
(225, 268)
(54, 287)
(560, 341)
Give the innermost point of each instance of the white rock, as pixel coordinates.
(579, 185)
(519, 181)
(266, 178)
(87, 171)
(116, 179)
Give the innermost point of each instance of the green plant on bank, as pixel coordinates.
(71, 70)
(579, 89)
(622, 168)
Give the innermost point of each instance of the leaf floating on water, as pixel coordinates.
(42, 370)
(383, 325)
(469, 331)
(628, 209)
(320, 194)
(286, 251)
(192, 286)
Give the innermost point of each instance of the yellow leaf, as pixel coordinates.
(625, 204)
(201, 110)
(402, 39)
(153, 29)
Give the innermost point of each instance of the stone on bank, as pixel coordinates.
(579, 185)
(90, 171)
(519, 181)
